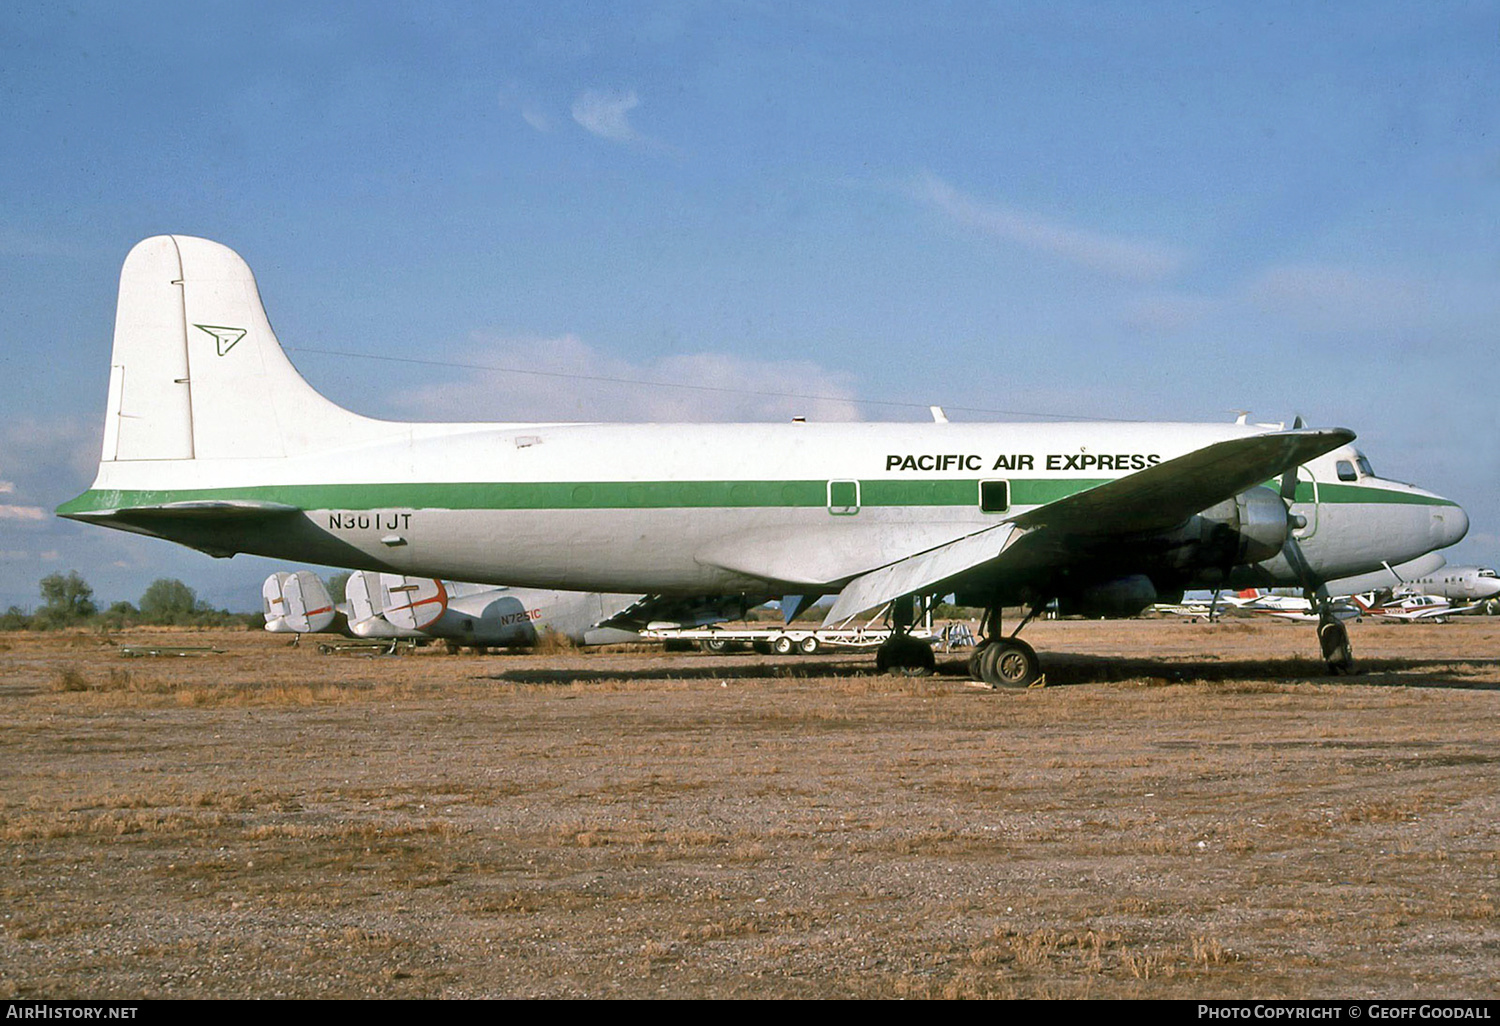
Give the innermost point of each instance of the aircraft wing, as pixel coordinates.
(1153, 499)
(1164, 495)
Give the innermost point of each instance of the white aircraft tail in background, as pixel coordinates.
(296, 603)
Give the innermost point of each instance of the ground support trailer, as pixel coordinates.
(779, 640)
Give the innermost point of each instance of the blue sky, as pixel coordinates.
(1141, 211)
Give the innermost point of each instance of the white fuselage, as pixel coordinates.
(724, 508)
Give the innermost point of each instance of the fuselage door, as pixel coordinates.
(1305, 505)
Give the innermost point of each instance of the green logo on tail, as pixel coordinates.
(225, 337)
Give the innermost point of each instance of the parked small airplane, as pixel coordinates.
(1252, 601)
(213, 440)
(1411, 607)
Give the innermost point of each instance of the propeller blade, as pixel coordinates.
(1289, 479)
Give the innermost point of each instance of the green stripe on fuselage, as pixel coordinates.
(1024, 492)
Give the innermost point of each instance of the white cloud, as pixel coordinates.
(512, 96)
(1107, 254)
(7, 487)
(572, 381)
(536, 119)
(607, 114)
(22, 513)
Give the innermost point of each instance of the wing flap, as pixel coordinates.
(925, 572)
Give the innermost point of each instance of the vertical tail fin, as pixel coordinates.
(197, 372)
(296, 603)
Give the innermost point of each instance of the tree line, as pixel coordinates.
(68, 601)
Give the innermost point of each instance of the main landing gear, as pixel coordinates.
(1001, 662)
(903, 653)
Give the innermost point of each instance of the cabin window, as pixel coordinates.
(1346, 471)
(994, 496)
(843, 497)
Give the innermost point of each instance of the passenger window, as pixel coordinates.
(994, 496)
(843, 498)
(1346, 471)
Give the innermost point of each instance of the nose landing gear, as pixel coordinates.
(1333, 638)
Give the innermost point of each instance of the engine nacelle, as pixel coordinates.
(1257, 522)
(1121, 597)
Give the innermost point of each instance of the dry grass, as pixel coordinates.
(1185, 811)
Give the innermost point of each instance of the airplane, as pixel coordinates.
(1251, 601)
(396, 606)
(1467, 583)
(1411, 607)
(213, 440)
(1293, 607)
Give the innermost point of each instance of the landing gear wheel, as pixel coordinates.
(906, 656)
(809, 645)
(783, 645)
(1337, 653)
(1009, 663)
(974, 661)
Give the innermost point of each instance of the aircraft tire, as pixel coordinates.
(1010, 663)
(1337, 653)
(906, 657)
(809, 645)
(783, 646)
(975, 673)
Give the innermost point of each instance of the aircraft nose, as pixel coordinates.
(1449, 525)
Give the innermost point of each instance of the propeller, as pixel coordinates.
(1291, 551)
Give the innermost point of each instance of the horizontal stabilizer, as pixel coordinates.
(196, 509)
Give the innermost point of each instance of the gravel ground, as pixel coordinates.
(1184, 811)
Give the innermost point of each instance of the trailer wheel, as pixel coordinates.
(717, 646)
(809, 645)
(783, 645)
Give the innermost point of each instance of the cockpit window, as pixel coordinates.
(1364, 466)
(1486, 572)
(1346, 471)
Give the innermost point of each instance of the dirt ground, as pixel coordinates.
(1186, 810)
